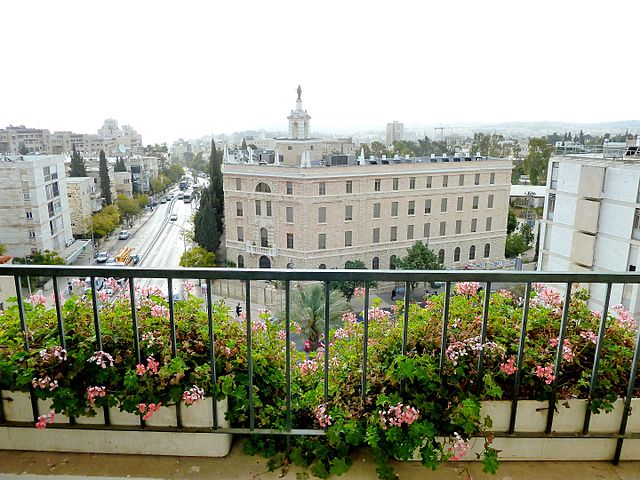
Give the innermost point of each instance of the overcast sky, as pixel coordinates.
(184, 69)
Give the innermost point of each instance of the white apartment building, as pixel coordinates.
(320, 217)
(34, 206)
(592, 220)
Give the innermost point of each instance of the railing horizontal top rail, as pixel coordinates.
(323, 275)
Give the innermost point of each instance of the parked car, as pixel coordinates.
(173, 217)
(102, 257)
(163, 200)
(123, 235)
(180, 196)
(135, 258)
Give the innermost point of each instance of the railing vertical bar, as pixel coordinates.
(483, 333)
(365, 341)
(249, 352)
(25, 334)
(134, 320)
(56, 297)
(405, 325)
(174, 339)
(556, 368)
(212, 349)
(287, 320)
(627, 400)
(327, 292)
(521, 344)
(96, 316)
(445, 324)
(596, 358)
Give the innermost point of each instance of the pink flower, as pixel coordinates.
(546, 373)
(148, 410)
(44, 420)
(459, 447)
(93, 392)
(103, 296)
(152, 365)
(159, 311)
(189, 287)
(550, 297)
(308, 366)
(193, 395)
(467, 288)
(359, 292)
(101, 359)
(509, 367)
(258, 326)
(37, 299)
(398, 415)
(140, 370)
(324, 420)
(624, 319)
(281, 335)
(297, 328)
(589, 335)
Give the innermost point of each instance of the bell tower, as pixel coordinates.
(299, 120)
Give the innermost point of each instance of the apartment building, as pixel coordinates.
(592, 220)
(33, 204)
(83, 201)
(395, 131)
(320, 217)
(123, 184)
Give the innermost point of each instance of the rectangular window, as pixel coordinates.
(289, 214)
(427, 205)
(348, 212)
(412, 183)
(376, 185)
(476, 179)
(393, 234)
(32, 234)
(376, 210)
(460, 203)
(322, 215)
(289, 188)
(376, 235)
(474, 204)
(239, 209)
(396, 182)
(488, 224)
(348, 238)
(238, 184)
(458, 227)
(29, 215)
(322, 241)
(492, 178)
(551, 206)
(443, 229)
(490, 201)
(636, 219)
(240, 232)
(461, 180)
(411, 209)
(26, 196)
(445, 181)
(322, 188)
(289, 240)
(268, 208)
(258, 208)
(349, 186)
(394, 209)
(443, 205)
(474, 225)
(409, 232)
(554, 175)
(426, 230)
(429, 181)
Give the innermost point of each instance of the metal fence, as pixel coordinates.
(399, 277)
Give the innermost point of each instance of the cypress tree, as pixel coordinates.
(76, 168)
(105, 182)
(120, 166)
(208, 221)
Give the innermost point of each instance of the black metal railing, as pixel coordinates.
(406, 278)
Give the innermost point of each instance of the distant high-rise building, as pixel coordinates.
(395, 131)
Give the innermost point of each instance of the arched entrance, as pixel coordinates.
(265, 262)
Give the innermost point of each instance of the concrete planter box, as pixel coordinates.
(138, 441)
(532, 418)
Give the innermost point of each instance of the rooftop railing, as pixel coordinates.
(487, 279)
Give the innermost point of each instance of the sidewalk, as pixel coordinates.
(237, 465)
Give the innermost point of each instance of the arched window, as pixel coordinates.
(392, 262)
(264, 237)
(322, 266)
(456, 254)
(472, 252)
(441, 256)
(375, 264)
(240, 261)
(263, 187)
(487, 250)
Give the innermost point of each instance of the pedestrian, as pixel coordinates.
(393, 294)
(70, 287)
(238, 310)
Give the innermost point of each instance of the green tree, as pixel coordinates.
(536, 162)
(22, 149)
(515, 245)
(105, 221)
(244, 145)
(3, 248)
(307, 308)
(378, 149)
(142, 199)
(120, 165)
(197, 257)
(128, 206)
(419, 257)
(156, 184)
(76, 167)
(512, 222)
(105, 182)
(527, 233)
(346, 287)
(208, 221)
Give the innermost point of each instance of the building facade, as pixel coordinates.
(395, 131)
(81, 193)
(592, 221)
(33, 204)
(320, 217)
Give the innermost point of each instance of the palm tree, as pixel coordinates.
(307, 307)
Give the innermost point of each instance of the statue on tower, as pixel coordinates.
(299, 92)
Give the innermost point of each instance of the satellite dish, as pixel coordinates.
(122, 148)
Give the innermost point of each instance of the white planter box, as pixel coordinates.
(17, 408)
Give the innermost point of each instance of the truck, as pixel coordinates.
(124, 256)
